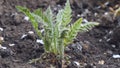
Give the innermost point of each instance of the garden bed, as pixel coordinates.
(98, 45)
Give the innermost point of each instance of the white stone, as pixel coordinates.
(4, 47)
(23, 36)
(87, 11)
(1, 29)
(85, 20)
(116, 56)
(108, 40)
(78, 15)
(101, 62)
(1, 47)
(39, 41)
(106, 3)
(113, 46)
(26, 18)
(100, 40)
(31, 32)
(77, 63)
(106, 13)
(105, 37)
(110, 32)
(11, 45)
(95, 14)
(1, 38)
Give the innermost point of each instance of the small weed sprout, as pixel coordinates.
(58, 33)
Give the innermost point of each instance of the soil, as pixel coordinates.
(98, 45)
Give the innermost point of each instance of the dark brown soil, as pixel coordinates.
(98, 45)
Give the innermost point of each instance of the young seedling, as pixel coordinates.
(58, 33)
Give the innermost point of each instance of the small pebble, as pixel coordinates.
(1, 29)
(23, 36)
(77, 46)
(108, 40)
(11, 45)
(101, 62)
(78, 15)
(31, 32)
(116, 56)
(4, 47)
(106, 13)
(95, 14)
(109, 52)
(113, 46)
(107, 3)
(1, 39)
(77, 49)
(105, 37)
(110, 32)
(85, 20)
(87, 11)
(77, 64)
(1, 47)
(26, 18)
(100, 40)
(39, 41)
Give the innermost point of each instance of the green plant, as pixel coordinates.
(58, 33)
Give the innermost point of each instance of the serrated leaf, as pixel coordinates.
(78, 27)
(64, 15)
(23, 10)
(39, 19)
(32, 19)
(73, 30)
(67, 14)
(87, 26)
(48, 13)
(42, 16)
